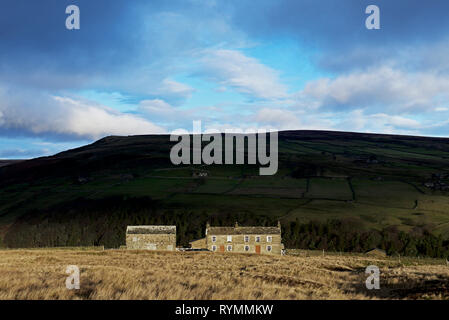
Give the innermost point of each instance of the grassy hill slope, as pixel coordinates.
(375, 181)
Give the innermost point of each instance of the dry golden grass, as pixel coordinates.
(121, 274)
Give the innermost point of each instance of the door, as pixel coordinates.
(221, 248)
(258, 249)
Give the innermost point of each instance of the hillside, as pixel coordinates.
(87, 195)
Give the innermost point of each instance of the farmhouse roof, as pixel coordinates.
(151, 230)
(243, 230)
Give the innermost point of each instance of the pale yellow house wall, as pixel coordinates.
(238, 243)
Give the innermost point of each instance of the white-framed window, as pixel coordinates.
(214, 239)
(134, 239)
(269, 248)
(269, 239)
(257, 238)
(214, 248)
(246, 248)
(229, 238)
(229, 247)
(246, 238)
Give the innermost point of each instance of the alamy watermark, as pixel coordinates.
(189, 149)
(373, 281)
(373, 20)
(73, 280)
(72, 22)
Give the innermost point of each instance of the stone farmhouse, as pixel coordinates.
(257, 240)
(151, 238)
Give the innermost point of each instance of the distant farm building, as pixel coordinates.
(200, 174)
(375, 252)
(258, 240)
(151, 238)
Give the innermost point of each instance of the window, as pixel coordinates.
(214, 239)
(229, 248)
(246, 238)
(257, 238)
(269, 239)
(229, 238)
(246, 248)
(214, 248)
(134, 239)
(269, 248)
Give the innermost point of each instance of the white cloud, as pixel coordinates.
(37, 114)
(384, 89)
(95, 121)
(281, 119)
(247, 75)
(171, 87)
(157, 107)
(151, 83)
(174, 117)
(396, 121)
(284, 119)
(358, 121)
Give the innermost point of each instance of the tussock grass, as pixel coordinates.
(122, 274)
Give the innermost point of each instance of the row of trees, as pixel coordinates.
(338, 235)
(85, 222)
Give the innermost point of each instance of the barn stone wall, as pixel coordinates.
(164, 242)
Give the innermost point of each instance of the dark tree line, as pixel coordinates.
(348, 236)
(87, 222)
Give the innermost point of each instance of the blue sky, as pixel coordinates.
(143, 67)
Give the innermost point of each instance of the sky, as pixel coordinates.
(151, 67)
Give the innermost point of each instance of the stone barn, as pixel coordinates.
(257, 240)
(151, 238)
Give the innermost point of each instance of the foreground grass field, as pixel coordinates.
(121, 274)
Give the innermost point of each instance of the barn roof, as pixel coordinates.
(243, 230)
(151, 230)
(198, 240)
(376, 250)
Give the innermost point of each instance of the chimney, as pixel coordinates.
(279, 224)
(236, 224)
(207, 225)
